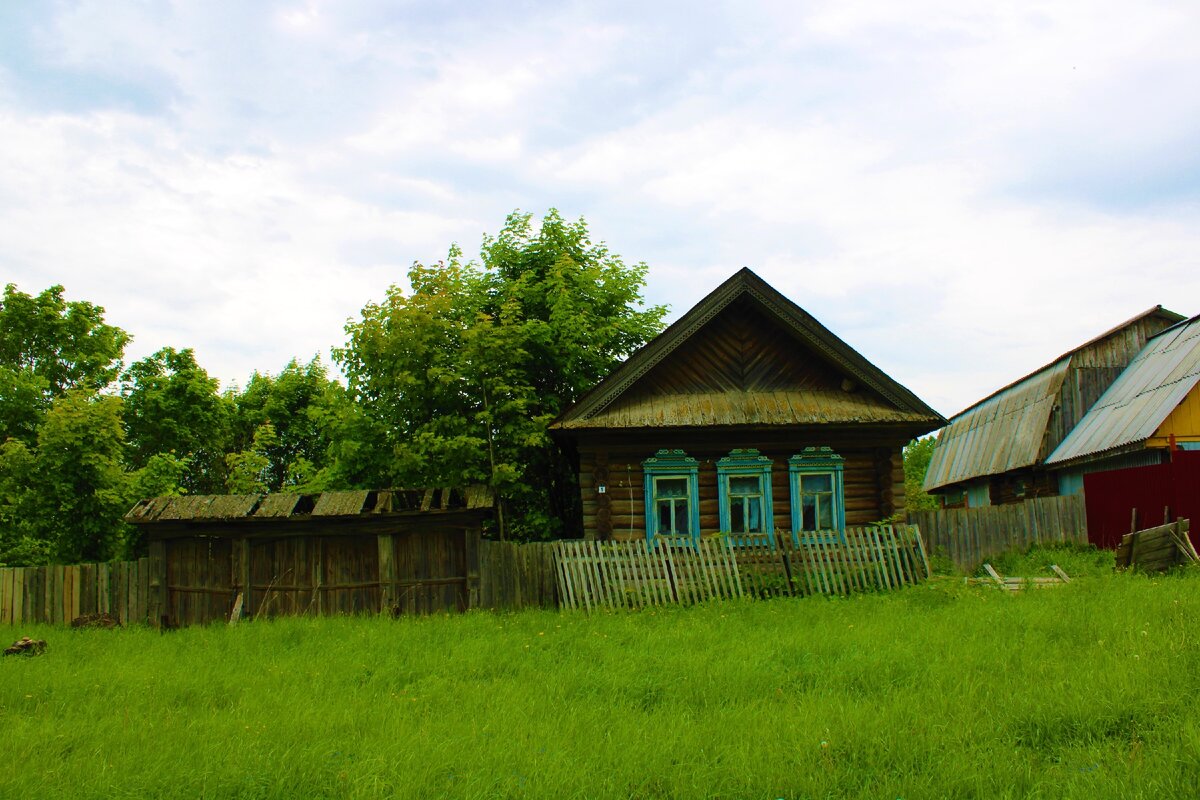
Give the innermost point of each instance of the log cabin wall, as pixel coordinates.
(1021, 485)
(873, 476)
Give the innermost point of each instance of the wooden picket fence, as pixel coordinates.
(58, 594)
(968, 536)
(566, 574)
(680, 571)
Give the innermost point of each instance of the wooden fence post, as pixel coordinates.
(471, 549)
(387, 573)
(157, 600)
(244, 573)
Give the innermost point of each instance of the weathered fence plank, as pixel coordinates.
(636, 574)
(968, 536)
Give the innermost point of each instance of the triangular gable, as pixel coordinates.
(1162, 375)
(764, 393)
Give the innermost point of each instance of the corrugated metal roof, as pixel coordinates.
(1144, 395)
(1003, 432)
(747, 408)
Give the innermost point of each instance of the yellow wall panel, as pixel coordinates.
(1184, 422)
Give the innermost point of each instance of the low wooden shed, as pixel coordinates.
(217, 557)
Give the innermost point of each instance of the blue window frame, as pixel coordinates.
(744, 496)
(818, 504)
(672, 495)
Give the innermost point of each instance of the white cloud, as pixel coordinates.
(962, 191)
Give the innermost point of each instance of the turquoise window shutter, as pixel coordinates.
(744, 502)
(672, 494)
(818, 496)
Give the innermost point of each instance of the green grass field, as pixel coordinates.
(1089, 690)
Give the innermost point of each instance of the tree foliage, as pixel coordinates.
(81, 489)
(917, 455)
(302, 405)
(460, 377)
(172, 407)
(49, 346)
(452, 381)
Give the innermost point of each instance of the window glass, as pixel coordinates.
(816, 502)
(808, 512)
(671, 506)
(821, 482)
(745, 485)
(670, 487)
(745, 504)
(745, 515)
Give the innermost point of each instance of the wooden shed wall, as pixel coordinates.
(873, 477)
(422, 564)
(1092, 370)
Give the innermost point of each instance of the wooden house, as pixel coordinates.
(995, 451)
(746, 416)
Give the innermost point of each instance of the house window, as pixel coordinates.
(744, 496)
(672, 495)
(815, 476)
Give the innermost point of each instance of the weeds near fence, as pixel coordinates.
(936, 690)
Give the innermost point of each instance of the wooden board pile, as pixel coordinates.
(1157, 549)
(1013, 584)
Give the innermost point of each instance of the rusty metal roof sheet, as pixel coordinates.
(809, 407)
(1003, 432)
(1141, 399)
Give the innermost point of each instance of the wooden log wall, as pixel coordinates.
(968, 536)
(1021, 485)
(55, 595)
(873, 483)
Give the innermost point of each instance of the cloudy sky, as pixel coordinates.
(962, 191)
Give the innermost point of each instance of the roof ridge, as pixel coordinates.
(794, 319)
(1115, 329)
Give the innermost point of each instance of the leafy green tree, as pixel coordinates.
(163, 476)
(917, 455)
(248, 469)
(81, 490)
(172, 407)
(460, 378)
(20, 544)
(302, 404)
(49, 346)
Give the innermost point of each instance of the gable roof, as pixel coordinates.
(1009, 428)
(1140, 400)
(867, 395)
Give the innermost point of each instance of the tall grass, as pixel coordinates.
(935, 691)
